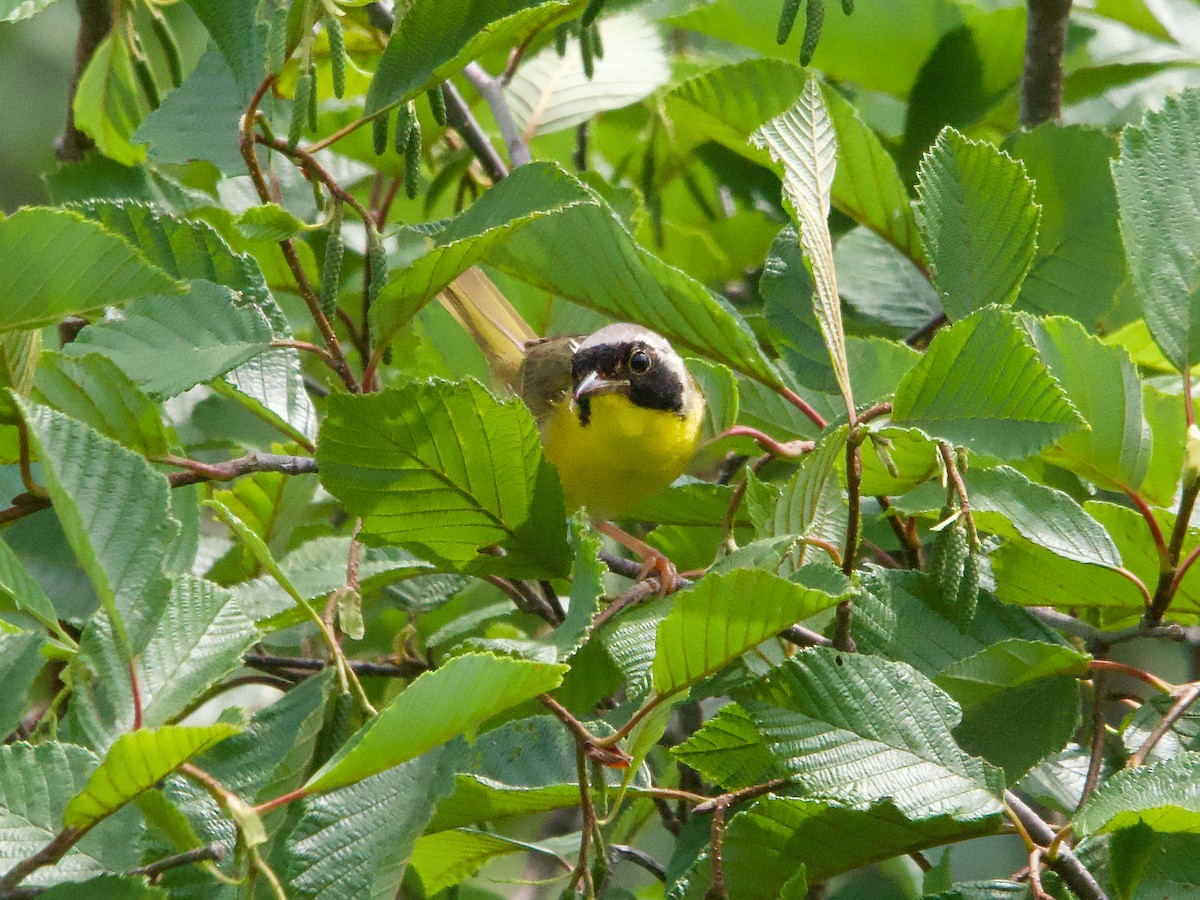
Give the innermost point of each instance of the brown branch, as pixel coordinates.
(1045, 43)
(1168, 576)
(1066, 864)
(1099, 641)
(461, 119)
(409, 668)
(1096, 760)
(47, 856)
(492, 91)
(236, 468)
(926, 331)
(95, 22)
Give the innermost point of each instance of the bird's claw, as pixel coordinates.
(658, 564)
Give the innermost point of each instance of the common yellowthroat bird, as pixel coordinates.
(618, 412)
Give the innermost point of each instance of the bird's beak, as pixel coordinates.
(594, 383)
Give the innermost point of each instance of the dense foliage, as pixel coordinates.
(939, 535)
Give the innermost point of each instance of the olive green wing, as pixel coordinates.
(545, 377)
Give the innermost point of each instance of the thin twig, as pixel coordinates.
(1066, 864)
(1096, 761)
(213, 852)
(236, 468)
(926, 331)
(843, 638)
(1185, 698)
(461, 119)
(782, 449)
(492, 92)
(95, 22)
(804, 637)
(1097, 665)
(409, 668)
(1098, 640)
(1164, 592)
(640, 858)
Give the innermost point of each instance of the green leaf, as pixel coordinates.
(1103, 385)
(728, 751)
(185, 249)
(108, 887)
(1020, 701)
(446, 470)
(170, 344)
(448, 857)
(859, 729)
(982, 386)
(1031, 576)
(21, 592)
(19, 352)
(1009, 664)
(586, 254)
(1003, 501)
(107, 105)
(457, 697)
(435, 38)
(355, 842)
(233, 29)
(1160, 223)
(20, 661)
(726, 103)
(802, 140)
(551, 93)
(724, 616)
(898, 615)
(40, 289)
(1080, 262)
(198, 120)
(587, 587)
(136, 762)
(94, 391)
(812, 504)
(36, 784)
(978, 223)
(530, 192)
(17, 10)
(269, 222)
(113, 509)
(1163, 795)
(882, 285)
(197, 641)
(868, 186)
(1182, 735)
(828, 839)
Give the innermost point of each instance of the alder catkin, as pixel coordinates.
(967, 600)
(814, 18)
(597, 42)
(787, 18)
(405, 117)
(277, 36)
(377, 262)
(437, 104)
(561, 34)
(331, 272)
(587, 51)
(300, 108)
(337, 54)
(312, 97)
(379, 134)
(412, 160)
(145, 77)
(958, 552)
(847, 6)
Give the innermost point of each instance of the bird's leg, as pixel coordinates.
(653, 561)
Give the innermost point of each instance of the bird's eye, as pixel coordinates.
(639, 362)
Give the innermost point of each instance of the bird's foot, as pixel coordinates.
(654, 561)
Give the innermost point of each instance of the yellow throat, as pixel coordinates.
(622, 455)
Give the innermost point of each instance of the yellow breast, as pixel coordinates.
(625, 452)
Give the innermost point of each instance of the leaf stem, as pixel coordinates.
(1168, 577)
(1133, 672)
(788, 450)
(797, 401)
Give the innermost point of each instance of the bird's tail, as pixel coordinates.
(478, 306)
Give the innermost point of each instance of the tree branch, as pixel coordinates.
(236, 468)
(461, 119)
(1045, 42)
(492, 92)
(409, 668)
(1066, 863)
(95, 22)
(1184, 699)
